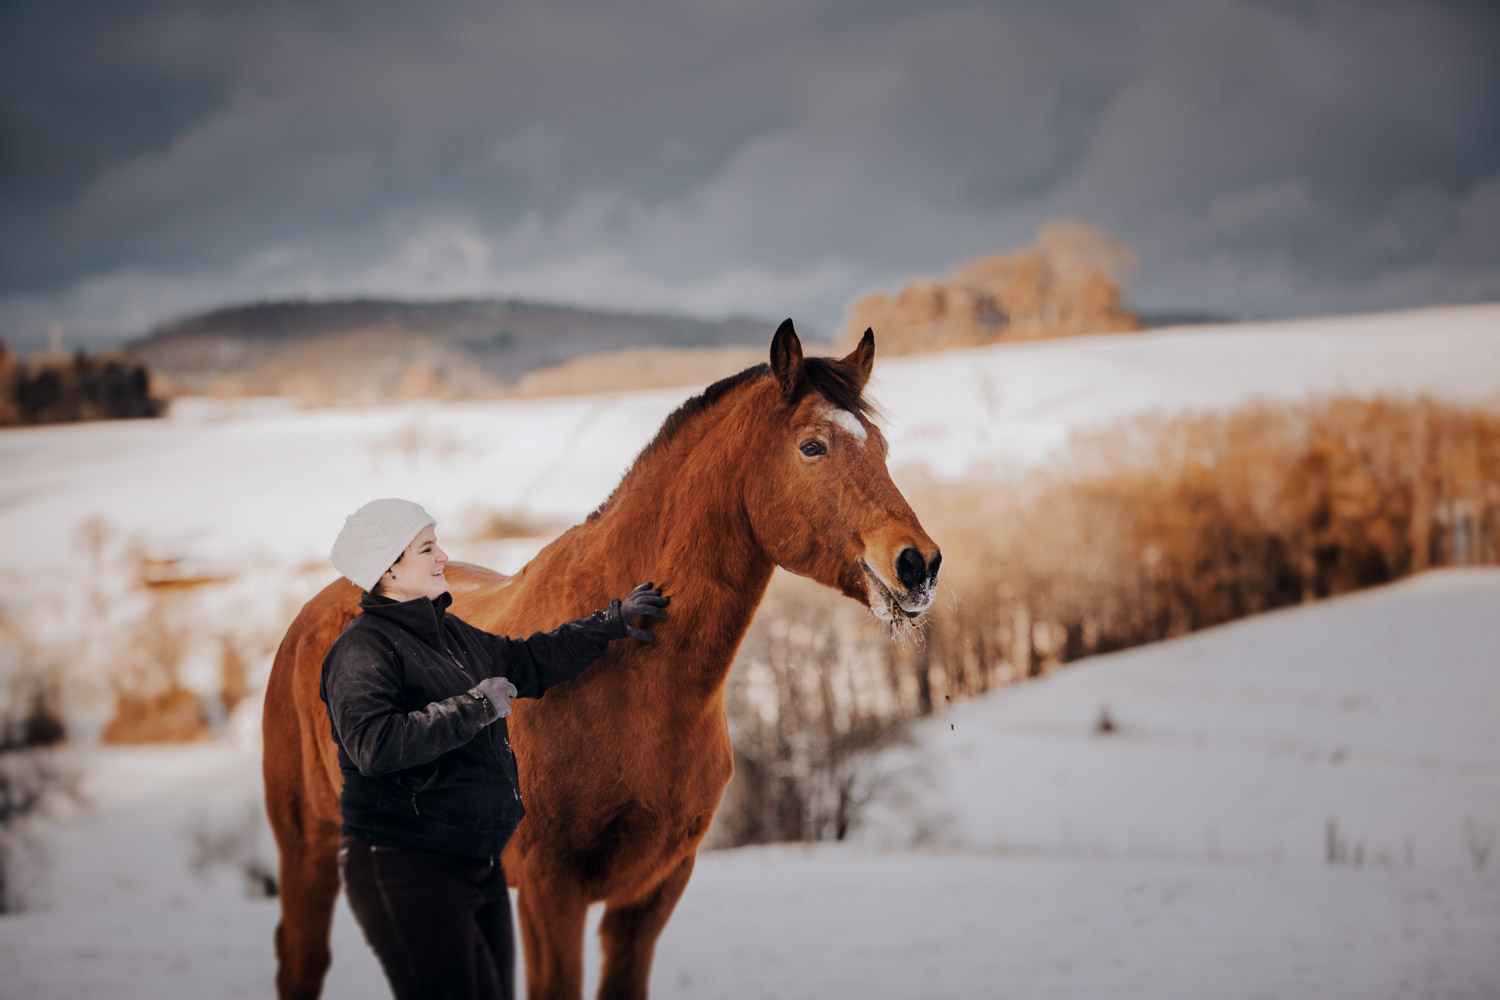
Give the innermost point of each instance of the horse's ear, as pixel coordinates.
(786, 358)
(863, 356)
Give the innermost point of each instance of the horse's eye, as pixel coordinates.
(812, 449)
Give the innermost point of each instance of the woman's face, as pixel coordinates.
(419, 573)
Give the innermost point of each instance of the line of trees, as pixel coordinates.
(84, 387)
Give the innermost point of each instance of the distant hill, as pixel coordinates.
(372, 349)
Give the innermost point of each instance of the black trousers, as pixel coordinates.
(439, 924)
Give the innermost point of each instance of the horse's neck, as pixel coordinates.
(681, 525)
(714, 569)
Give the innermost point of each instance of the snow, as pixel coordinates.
(1182, 855)
(226, 484)
(1375, 713)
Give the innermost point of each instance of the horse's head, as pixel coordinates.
(821, 501)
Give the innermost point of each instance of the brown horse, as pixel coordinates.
(623, 767)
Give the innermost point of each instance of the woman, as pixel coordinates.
(418, 699)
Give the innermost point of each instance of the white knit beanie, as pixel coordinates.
(374, 537)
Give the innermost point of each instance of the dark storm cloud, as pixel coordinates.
(771, 157)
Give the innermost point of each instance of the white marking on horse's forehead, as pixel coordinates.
(845, 420)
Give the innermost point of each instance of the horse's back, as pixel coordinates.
(477, 591)
(468, 581)
(299, 760)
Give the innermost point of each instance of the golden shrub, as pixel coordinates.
(1069, 282)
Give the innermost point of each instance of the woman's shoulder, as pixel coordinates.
(366, 634)
(473, 635)
(456, 622)
(362, 625)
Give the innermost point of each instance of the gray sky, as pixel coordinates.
(774, 157)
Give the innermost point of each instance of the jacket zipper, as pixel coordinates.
(515, 786)
(415, 792)
(454, 657)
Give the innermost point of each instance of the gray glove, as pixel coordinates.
(496, 692)
(643, 600)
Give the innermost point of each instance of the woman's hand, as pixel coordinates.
(643, 600)
(498, 691)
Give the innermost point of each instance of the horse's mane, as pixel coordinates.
(835, 379)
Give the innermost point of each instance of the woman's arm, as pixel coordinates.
(544, 659)
(362, 689)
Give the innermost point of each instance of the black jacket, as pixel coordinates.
(424, 768)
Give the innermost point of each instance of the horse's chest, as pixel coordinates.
(637, 844)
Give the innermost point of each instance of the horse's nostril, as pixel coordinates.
(911, 569)
(932, 568)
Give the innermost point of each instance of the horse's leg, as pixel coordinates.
(552, 912)
(309, 887)
(629, 932)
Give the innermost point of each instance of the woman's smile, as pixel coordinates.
(419, 571)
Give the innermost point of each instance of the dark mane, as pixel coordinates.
(834, 379)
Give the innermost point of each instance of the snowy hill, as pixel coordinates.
(1304, 804)
(357, 348)
(1375, 714)
(231, 484)
(1184, 855)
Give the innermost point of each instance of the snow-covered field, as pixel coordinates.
(1184, 854)
(232, 485)
(1378, 714)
